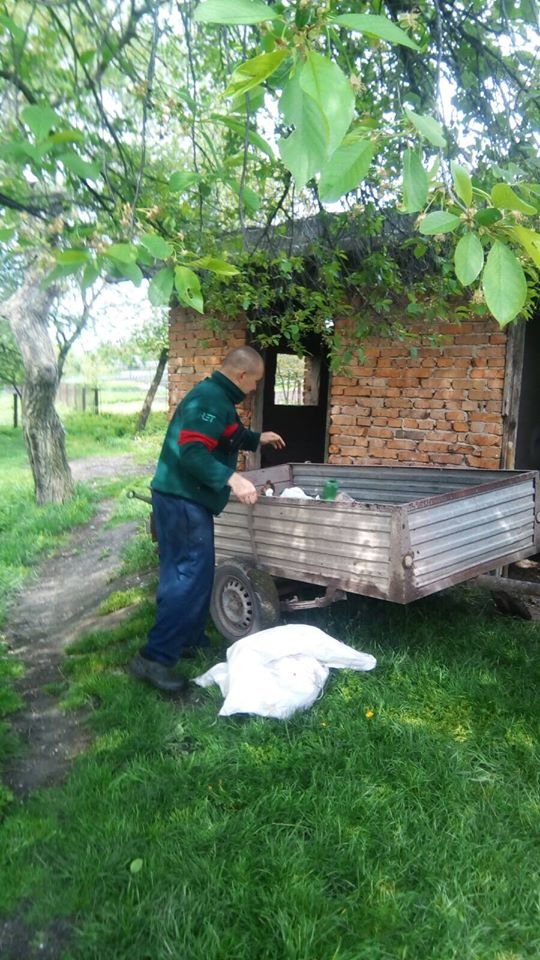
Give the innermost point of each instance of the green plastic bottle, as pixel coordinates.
(330, 490)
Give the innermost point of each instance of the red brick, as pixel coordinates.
(433, 446)
(398, 402)
(420, 393)
(386, 454)
(344, 421)
(483, 439)
(455, 415)
(484, 394)
(484, 463)
(450, 458)
(402, 444)
(491, 418)
(405, 457)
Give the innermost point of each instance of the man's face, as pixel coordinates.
(249, 379)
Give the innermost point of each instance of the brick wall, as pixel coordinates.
(440, 406)
(195, 351)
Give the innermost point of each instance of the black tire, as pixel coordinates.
(244, 599)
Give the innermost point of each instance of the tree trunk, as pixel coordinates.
(28, 311)
(149, 399)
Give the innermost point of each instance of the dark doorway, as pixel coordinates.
(294, 402)
(528, 428)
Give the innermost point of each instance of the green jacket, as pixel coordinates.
(201, 445)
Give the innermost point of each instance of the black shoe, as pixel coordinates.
(158, 675)
(203, 645)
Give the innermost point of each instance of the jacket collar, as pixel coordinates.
(233, 392)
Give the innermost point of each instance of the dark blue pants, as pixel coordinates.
(185, 532)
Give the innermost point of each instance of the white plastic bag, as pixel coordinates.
(295, 493)
(274, 673)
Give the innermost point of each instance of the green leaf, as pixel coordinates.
(160, 287)
(182, 180)
(440, 221)
(375, 26)
(136, 865)
(156, 245)
(462, 183)
(240, 128)
(221, 267)
(6, 234)
(16, 32)
(427, 126)
(81, 168)
(505, 198)
(40, 118)
(188, 288)
(130, 271)
(488, 216)
(20, 150)
(66, 136)
(468, 258)
(415, 182)
(328, 86)
(75, 256)
(347, 167)
(251, 73)
(87, 56)
(529, 240)
(504, 283)
(248, 196)
(90, 275)
(434, 169)
(233, 11)
(304, 152)
(60, 271)
(243, 103)
(121, 252)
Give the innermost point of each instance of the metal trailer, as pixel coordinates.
(409, 532)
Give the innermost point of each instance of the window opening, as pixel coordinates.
(297, 382)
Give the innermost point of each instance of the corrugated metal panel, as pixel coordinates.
(458, 523)
(324, 541)
(232, 534)
(470, 531)
(391, 484)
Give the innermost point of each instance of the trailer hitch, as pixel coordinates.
(331, 595)
(151, 527)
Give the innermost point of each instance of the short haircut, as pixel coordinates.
(243, 360)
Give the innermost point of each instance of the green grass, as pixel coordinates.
(29, 533)
(395, 820)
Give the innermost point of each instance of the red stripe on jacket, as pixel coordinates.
(230, 429)
(189, 436)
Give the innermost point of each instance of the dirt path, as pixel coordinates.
(51, 613)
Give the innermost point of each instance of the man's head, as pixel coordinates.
(244, 366)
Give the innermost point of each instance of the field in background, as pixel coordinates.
(123, 392)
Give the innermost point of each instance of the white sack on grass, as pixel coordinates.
(274, 673)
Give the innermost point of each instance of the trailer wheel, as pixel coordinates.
(244, 599)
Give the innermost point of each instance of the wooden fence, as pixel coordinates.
(73, 395)
(79, 397)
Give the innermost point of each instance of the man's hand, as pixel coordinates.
(273, 439)
(242, 488)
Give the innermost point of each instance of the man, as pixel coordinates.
(195, 475)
